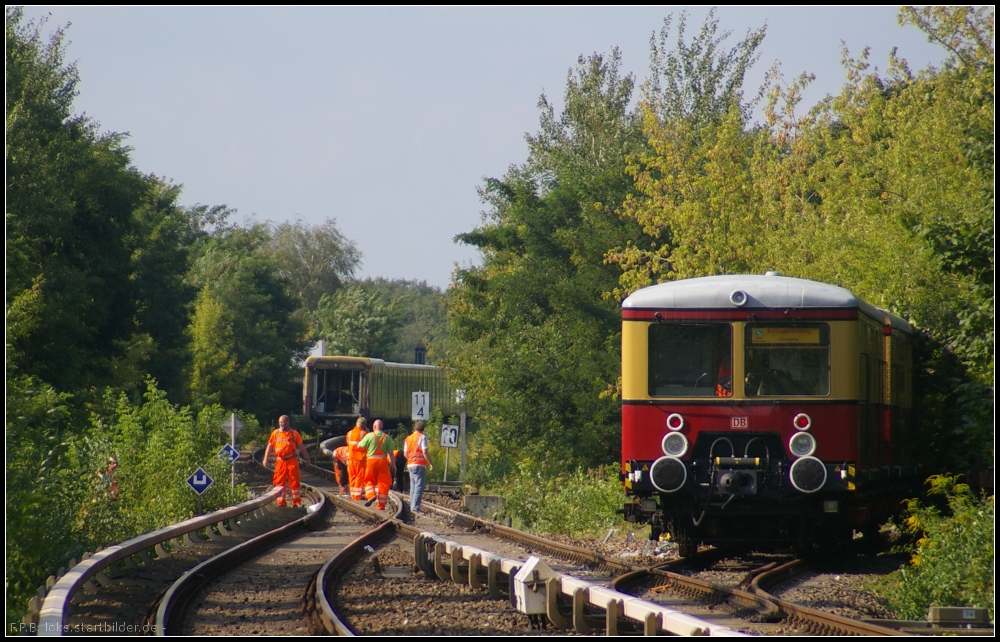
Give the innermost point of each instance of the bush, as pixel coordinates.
(952, 555)
(55, 506)
(576, 504)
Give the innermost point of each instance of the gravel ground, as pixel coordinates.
(842, 587)
(397, 601)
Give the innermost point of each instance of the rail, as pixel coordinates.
(55, 608)
(170, 611)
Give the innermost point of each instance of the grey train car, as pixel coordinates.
(338, 390)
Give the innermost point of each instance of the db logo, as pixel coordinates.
(741, 423)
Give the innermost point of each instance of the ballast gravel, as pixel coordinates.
(374, 601)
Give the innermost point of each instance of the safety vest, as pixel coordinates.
(414, 453)
(342, 454)
(353, 437)
(285, 443)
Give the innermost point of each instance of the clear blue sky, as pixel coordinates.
(388, 119)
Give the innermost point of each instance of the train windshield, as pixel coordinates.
(787, 360)
(336, 391)
(690, 360)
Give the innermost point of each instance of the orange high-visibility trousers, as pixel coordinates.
(356, 478)
(378, 480)
(340, 472)
(286, 473)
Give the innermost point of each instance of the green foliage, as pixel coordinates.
(698, 81)
(69, 202)
(357, 322)
(418, 314)
(535, 340)
(953, 556)
(55, 506)
(244, 335)
(42, 495)
(313, 260)
(167, 236)
(157, 446)
(577, 503)
(23, 316)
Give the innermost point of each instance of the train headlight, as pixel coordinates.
(738, 297)
(807, 474)
(802, 421)
(675, 444)
(802, 444)
(675, 421)
(668, 474)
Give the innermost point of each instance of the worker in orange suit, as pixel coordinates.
(287, 445)
(341, 460)
(356, 465)
(378, 476)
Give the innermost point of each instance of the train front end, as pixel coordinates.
(740, 410)
(335, 392)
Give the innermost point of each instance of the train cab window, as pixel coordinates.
(690, 360)
(787, 360)
(337, 391)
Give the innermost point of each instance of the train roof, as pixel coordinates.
(759, 292)
(366, 361)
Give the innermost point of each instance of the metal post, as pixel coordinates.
(461, 440)
(447, 455)
(232, 433)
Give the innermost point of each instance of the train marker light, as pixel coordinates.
(675, 444)
(802, 421)
(802, 444)
(675, 421)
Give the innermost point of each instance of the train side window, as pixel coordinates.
(690, 360)
(787, 360)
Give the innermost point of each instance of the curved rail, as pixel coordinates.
(814, 621)
(335, 567)
(448, 560)
(169, 614)
(52, 620)
(555, 549)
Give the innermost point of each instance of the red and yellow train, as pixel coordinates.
(762, 409)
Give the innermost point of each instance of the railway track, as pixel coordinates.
(440, 572)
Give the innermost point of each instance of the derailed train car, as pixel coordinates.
(763, 410)
(338, 390)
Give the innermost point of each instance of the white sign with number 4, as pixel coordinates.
(421, 406)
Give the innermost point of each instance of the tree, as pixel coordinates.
(244, 333)
(697, 183)
(699, 81)
(357, 322)
(71, 193)
(535, 338)
(313, 260)
(418, 314)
